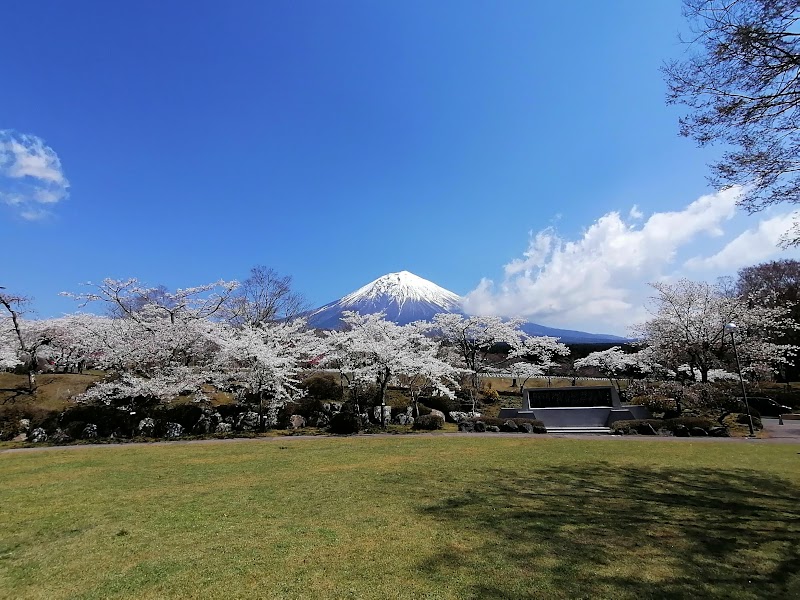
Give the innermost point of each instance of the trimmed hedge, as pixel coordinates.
(671, 425)
(429, 422)
(344, 423)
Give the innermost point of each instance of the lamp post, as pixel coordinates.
(731, 328)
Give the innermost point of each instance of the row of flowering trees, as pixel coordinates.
(158, 345)
(690, 337)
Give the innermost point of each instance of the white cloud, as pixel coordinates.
(597, 281)
(31, 177)
(755, 245)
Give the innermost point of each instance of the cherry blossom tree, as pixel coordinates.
(20, 339)
(611, 363)
(688, 327)
(538, 354)
(267, 359)
(157, 344)
(371, 349)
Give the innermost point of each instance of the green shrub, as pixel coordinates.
(490, 396)
(429, 422)
(441, 403)
(344, 423)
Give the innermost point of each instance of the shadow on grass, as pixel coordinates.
(621, 532)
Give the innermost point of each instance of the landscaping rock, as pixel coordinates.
(403, 419)
(296, 422)
(492, 429)
(438, 413)
(457, 416)
(247, 421)
(173, 430)
(146, 427)
(719, 432)
(223, 428)
(22, 437)
(89, 432)
(526, 428)
(37, 436)
(698, 432)
(466, 426)
(646, 429)
(509, 426)
(682, 431)
(480, 426)
(387, 414)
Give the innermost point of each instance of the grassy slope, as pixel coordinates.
(402, 517)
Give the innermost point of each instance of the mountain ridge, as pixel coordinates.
(405, 297)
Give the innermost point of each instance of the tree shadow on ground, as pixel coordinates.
(604, 531)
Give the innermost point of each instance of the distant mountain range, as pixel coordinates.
(404, 297)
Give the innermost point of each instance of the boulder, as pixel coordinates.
(146, 427)
(698, 432)
(719, 432)
(296, 422)
(438, 413)
(509, 426)
(466, 426)
(387, 414)
(682, 431)
(403, 419)
(22, 437)
(173, 430)
(223, 427)
(480, 426)
(89, 432)
(38, 435)
(646, 429)
(458, 416)
(492, 429)
(526, 428)
(247, 421)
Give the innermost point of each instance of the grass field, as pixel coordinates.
(403, 517)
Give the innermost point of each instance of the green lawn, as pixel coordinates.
(403, 517)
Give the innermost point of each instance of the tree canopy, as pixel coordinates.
(740, 80)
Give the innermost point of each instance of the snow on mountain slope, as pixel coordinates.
(405, 297)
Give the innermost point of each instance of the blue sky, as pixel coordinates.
(337, 141)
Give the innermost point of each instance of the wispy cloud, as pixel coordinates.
(31, 178)
(599, 281)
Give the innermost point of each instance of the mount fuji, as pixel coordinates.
(404, 297)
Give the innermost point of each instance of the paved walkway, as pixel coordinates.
(789, 433)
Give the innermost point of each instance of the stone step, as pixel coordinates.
(604, 430)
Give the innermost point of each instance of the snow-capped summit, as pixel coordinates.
(405, 287)
(403, 297)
